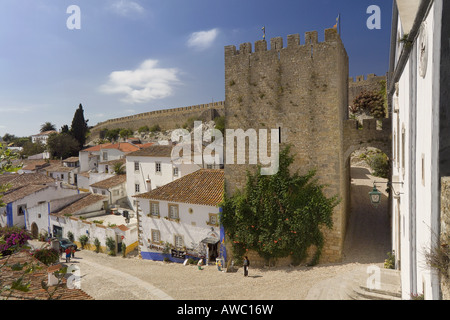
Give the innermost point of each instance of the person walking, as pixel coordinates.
(73, 252)
(68, 254)
(246, 265)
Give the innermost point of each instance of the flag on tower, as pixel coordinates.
(337, 21)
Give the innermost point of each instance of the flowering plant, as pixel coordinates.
(13, 238)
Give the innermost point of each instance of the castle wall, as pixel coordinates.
(358, 85)
(166, 119)
(302, 89)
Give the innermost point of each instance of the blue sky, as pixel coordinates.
(134, 56)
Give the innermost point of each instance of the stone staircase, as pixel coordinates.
(389, 287)
(353, 286)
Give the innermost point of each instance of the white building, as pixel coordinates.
(419, 94)
(181, 219)
(114, 188)
(28, 190)
(91, 157)
(152, 167)
(42, 137)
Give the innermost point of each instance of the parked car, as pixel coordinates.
(65, 243)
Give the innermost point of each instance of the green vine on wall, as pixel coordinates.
(280, 215)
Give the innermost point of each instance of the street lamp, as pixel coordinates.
(375, 196)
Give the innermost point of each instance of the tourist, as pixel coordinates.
(246, 265)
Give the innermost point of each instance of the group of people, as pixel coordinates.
(246, 265)
(70, 253)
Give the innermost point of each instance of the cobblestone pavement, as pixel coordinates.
(116, 278)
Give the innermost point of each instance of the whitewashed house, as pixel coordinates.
(152, 167)
(65, 171)
(42, 137)
(114, 188)
(87, 216)
(28, 190)
(91, 157)
(181, 219)
(419, 95)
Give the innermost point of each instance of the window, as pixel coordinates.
(136, 166)
(103, 192)
(173, 211)
(156, 236)
(179, 243)
(158, 167)
(105, 155)
(213, 219)
(21, 209)
(95, 190)
(137, 187)
(154, 208)
(62, 176)
(209, 166)
(175, 172)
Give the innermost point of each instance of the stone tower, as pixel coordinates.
(302, 90)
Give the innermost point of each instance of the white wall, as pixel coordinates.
(147, 171)
(45, 195)
(415, 228)
(192, 227)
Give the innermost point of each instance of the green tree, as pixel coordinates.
(65, 129)
(62, 146)
(7, 158)
(278, 216)
(112, 134)
(48, 126)
(79, 128)
(125, 133)
(30, 148)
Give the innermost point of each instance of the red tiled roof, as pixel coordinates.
(153, 151)
(76, 206)
(204, 186)
(122, 146)
(36, 292)
(110, 182)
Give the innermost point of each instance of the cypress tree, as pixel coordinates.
(79, 127)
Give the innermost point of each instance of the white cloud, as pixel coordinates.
(202, 40)
(143, 84)
(127, 8)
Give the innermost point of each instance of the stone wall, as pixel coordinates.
(359, 84)
(167, 119)
(302, 90)
(445, 230)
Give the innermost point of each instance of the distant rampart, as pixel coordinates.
(167, 119)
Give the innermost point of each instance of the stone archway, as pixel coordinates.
(34, 230)
(368, 231)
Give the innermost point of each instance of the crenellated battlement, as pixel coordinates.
(199, 107)
(370, 77)
(372, 133)
(276, 44)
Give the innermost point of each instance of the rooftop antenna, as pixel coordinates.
(264, 32)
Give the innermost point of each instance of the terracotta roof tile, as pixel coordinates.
(22, 192)
(122, 146)
(110, 182)
(153, 151)
(76, 206)
(204, 186)
(7, 276)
